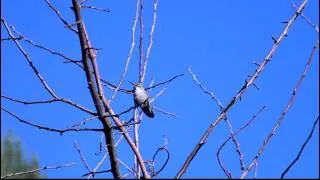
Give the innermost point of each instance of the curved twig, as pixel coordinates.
(165, 163)
(300, 152)
(225, 170)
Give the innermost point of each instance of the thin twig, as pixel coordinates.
(130, 52)
(237, 145)
(151, 39)
(255, 170)
(136, 141)
(211, 94)
(67, 101)
(84, 121)
(164, 82)
(113, 87)
(35, 70)
(96, 8)
(301, 149)
(306, 18)
(225, 170)
(38, 169)
(216, 100)
(166, 161)
(68, 59)
(28, 102)
(61, 131)
(141, 43)
(164, 112)
(100, 144)
(157, 95)
(97, 167)
(60, 16)
(43, 82)
(96, 172)
(284, 112)
(81, 156)
(50, 101)
(9, 38)
(242, 90)
(127, 167)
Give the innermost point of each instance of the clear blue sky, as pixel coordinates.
(217, 39)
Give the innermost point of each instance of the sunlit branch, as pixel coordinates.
(37, 170)
(284, 112)
(61, 131)
(242, 90)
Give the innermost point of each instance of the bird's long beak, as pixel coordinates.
(132, 83)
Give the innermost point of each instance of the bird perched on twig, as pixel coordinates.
(141, 98)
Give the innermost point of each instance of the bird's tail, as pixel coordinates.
(147, 109)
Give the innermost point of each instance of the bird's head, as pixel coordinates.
(136, 85)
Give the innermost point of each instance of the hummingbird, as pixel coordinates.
(141, 98)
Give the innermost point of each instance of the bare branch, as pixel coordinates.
(51, 101)
(84, 121)
(216, 100)
(127, 167)
(96, 8)
(104, 157)
(29, 102)
(9, 38)
(100, 98)
(61, 131)
(67, 101)
(96, 172)
(301, 149)
(141, 43)
(151, 39)
(68, 59)
(97, 167)
(306, 18)
(37, 170)
(22, 37)
(60, 16)
(113, 87)
(164, 112)
(130, 51)
(157, 95)
(225, 170)
(255, 170)
(237, 145)
(211, 94)
(284, 112)
(136, 141)
(35, 70)
(81, 156)
(166, 161)
(89, 67)
(43, 82)
(240, 92)
(164, 82)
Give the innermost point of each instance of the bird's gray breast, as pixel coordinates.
(140, 96)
